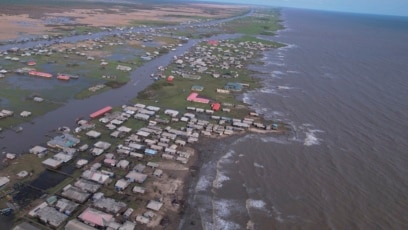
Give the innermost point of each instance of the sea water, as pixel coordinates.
(341, 85)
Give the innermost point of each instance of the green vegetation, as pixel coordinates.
(26, 162)
(261, 23)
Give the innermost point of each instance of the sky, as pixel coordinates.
(387, 7)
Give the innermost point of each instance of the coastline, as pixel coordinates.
(191, 218)
(187, 177)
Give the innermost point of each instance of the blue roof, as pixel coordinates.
(233, 86)
(150, 151)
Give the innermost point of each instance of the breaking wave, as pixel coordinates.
(311, 138)
(256, 204)
(258, 165)
(222, 211)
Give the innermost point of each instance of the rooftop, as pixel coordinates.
(95, 217)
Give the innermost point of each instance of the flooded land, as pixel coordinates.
(102, 107)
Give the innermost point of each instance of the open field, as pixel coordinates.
(47, 17)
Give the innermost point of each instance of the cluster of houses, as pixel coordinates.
(82, 50)
(217, 55)
(128, 167)
(4, 113)
(125, 167)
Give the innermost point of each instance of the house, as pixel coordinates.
(38, 150)
(123, 164)
(121, 185)
(139, 168)
(167, 156)
(87, 185)
(75, 224)
(25, 114)
(138, 189)
(215, 106)
(233, 86)
(75, 194)
(40, 74)
(142, 219)
(96, 176)
(83, 147)
(38, 99)
(158, 172)
(102, 145)
(152, 165)
(65, 206)
(137, 155)
(63, 141)
(224, 91)
(51, 216)
(135, 146)
(123, 68)
(26, 226)
(4, 181)
(195, 98)
(154, 205)
(81, 162)
(96, 151)
(100, 112)
(124, 129)
(150, 152)
(128, 212)
(197, 88)
(140, 106)
(6, 113)
(109, 162)
(172, 113)
(141, 116)
(52, 163)
(213, 42)
(61, 156)
(136, 177)
(95, 218)
(109, 204)
(93, 134)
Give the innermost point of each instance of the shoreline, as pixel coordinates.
(191, 218)
(187, 175)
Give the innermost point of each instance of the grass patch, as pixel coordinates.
(28, 162)
(262, 22)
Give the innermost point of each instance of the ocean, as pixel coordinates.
(341, 85)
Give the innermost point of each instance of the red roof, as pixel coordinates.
(63, 77)
(95, 217)
(100, 112)
(40, 74)
(194, 97)
(213, 42)
(215, 106)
